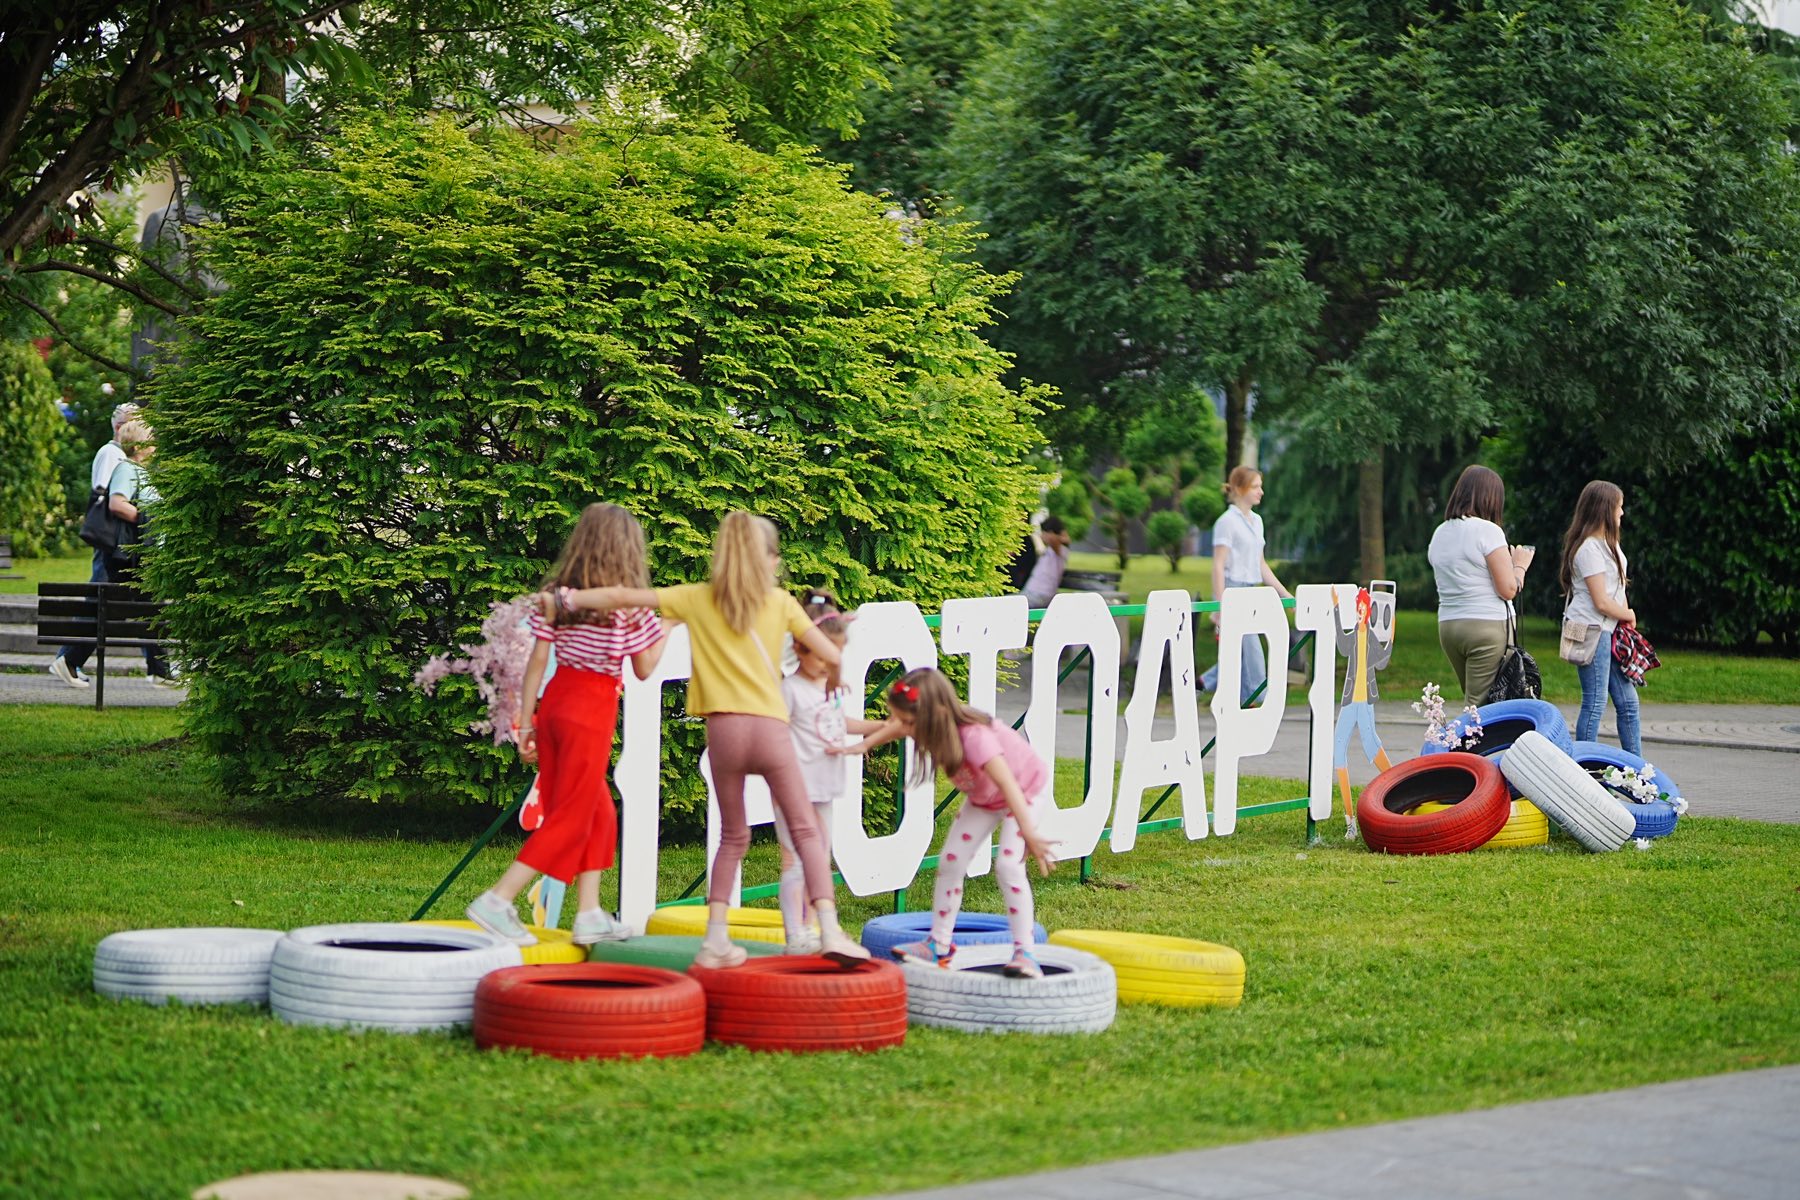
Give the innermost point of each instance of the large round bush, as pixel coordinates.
(434, 347)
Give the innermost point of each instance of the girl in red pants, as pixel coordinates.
(570, 733)
(735, 622)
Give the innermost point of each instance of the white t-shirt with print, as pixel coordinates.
(1458, 554)
(1243, 533)
(816, 721)
(1593, 558)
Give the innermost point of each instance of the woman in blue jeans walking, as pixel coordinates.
(1593, 584)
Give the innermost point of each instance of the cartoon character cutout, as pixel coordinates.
(1367, 643)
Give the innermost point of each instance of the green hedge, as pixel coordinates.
(434, 347)
(30, 493)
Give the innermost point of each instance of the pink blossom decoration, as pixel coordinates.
(496, 663)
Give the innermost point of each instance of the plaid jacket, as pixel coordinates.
(1633, 653)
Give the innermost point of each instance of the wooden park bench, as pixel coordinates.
(101, 615)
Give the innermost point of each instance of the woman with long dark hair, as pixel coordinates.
(1593, 580)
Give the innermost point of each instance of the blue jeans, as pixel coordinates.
(1599, 679)
(1256, 669)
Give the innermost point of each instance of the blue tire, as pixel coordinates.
(1655, 819)
(882, 934)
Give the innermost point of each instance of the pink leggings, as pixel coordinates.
(740, 745)
(971, 828)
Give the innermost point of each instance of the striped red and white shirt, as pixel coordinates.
(602, 646)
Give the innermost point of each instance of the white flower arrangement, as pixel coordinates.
(1640, 787)
(1438, 731)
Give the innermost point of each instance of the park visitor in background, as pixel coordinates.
(1238, 561)
(69, 660)
(1593, 578)
(1047, 572)
(1477, 575)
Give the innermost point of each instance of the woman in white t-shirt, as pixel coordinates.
(1593, 585)
(1478, 575)
(1237, 561)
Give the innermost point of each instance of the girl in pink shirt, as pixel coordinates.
(1000, 774)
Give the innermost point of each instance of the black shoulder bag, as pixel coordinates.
(99, 527)
(1518, 677)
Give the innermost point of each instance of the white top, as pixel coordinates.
(816, 721)
(1458, 555)
(1593, 558)
(1046, 576)
(106, 459)
(1243, 533)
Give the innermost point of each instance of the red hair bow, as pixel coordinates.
(908, 692)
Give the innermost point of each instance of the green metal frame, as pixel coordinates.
(1146, 825)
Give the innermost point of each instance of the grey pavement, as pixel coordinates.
(1724, 1137)
(29, 682)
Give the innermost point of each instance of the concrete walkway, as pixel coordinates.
(1727, 1137)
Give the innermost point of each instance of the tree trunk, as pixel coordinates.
(1372, 539)
(1237, 419)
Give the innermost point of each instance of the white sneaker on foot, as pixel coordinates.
(597, 926)
(1350, 830)
(60, 669)
(733, 955)
(807, 943)
(836, 945)
(499, 918)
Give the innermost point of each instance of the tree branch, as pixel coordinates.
(123, 285)
(120, 252)
(31, 75)
(59, 331)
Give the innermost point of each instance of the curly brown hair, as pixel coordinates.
(606, 549)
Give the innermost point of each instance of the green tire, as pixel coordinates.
(668, 951)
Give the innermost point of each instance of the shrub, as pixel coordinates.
(435, 347)
(1166, 530)
(30, 492)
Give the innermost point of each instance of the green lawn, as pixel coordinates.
(65, 568)
(1378, 988)
(1685, 677)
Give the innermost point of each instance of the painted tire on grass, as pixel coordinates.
(403, 978)
(1078, 993)
(1527, 826)
(1571, 797)
(553, 945)
(590, 1010)
(1502, 723)
(1154, 969)
(882, 934)
(744, 924)
(805, 1003)
(1655, 818)
(1471, 787)
(668, 951)
(209, 965)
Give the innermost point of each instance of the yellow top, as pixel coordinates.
(734, 672)
(1360, 693)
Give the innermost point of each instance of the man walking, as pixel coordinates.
(106, 460)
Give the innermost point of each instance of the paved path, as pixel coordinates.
(1727, 1137)
(35, 685)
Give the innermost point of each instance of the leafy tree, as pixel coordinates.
(1397, 224)
(94, 95)
(1068, 501)
(1166, 529)
(435, 345)
(1125, 501)
(29, 424)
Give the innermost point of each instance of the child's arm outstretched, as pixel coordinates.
(604, 599)
(1037, 847)
(880, 734)
(525, 729)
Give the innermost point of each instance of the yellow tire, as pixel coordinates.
(1527, 826)
(1153, 969)
(743, 924)
(553, 945)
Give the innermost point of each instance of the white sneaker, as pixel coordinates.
(1350, 830)
(836, 945)
(807, 943)
(60, 669)
(499, 918)
(599, 926)
(733, 955)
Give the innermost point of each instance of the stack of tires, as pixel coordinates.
(1551, 778)
(1154, 969)
(805, 1003)
(398, 977)
(590, 1010)
(191, 966)
(1651, 818)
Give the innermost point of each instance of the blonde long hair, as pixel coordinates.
(606, 549)
(937, 713)
(742, 575)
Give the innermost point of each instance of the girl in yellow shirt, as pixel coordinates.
(735, 622)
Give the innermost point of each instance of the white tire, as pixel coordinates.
(358, 976)
(1078, 993)
(195, 966)
(1556, 783)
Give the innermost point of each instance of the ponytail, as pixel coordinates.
(741, 573)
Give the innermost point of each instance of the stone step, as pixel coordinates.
(21, 639)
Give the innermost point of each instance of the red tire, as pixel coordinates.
(1471, 785)
(803, 1003)
(591, 1010)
